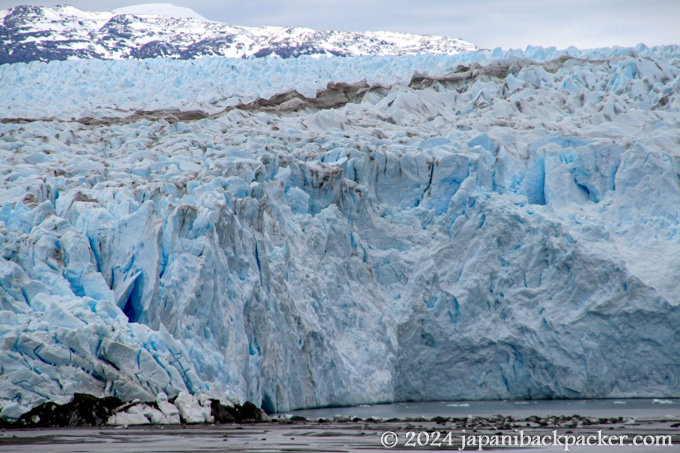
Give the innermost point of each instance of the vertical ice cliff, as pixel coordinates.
(420, 228)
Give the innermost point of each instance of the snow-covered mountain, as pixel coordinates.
(312, 232)
(31, 33)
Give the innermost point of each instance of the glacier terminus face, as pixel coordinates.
(341, 231)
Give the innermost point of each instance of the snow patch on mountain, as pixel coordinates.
(160, 9)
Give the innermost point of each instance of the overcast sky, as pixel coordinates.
(486, 23)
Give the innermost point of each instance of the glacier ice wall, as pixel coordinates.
(479, 226)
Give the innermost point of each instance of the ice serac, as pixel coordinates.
(499, 225)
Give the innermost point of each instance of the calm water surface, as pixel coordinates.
(638, 408)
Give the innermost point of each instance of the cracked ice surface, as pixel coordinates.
(483, 226)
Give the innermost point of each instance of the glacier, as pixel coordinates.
(487, 225)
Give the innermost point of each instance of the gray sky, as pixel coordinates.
(486, 23)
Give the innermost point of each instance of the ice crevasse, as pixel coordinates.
(341, 231)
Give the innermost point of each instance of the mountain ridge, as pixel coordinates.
(33, 33)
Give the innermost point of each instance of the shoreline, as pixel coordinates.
(282, 434)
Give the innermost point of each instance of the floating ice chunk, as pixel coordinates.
(169, 410)
(138, 414)
(191, 410)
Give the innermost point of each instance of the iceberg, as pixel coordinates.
(499, 225)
